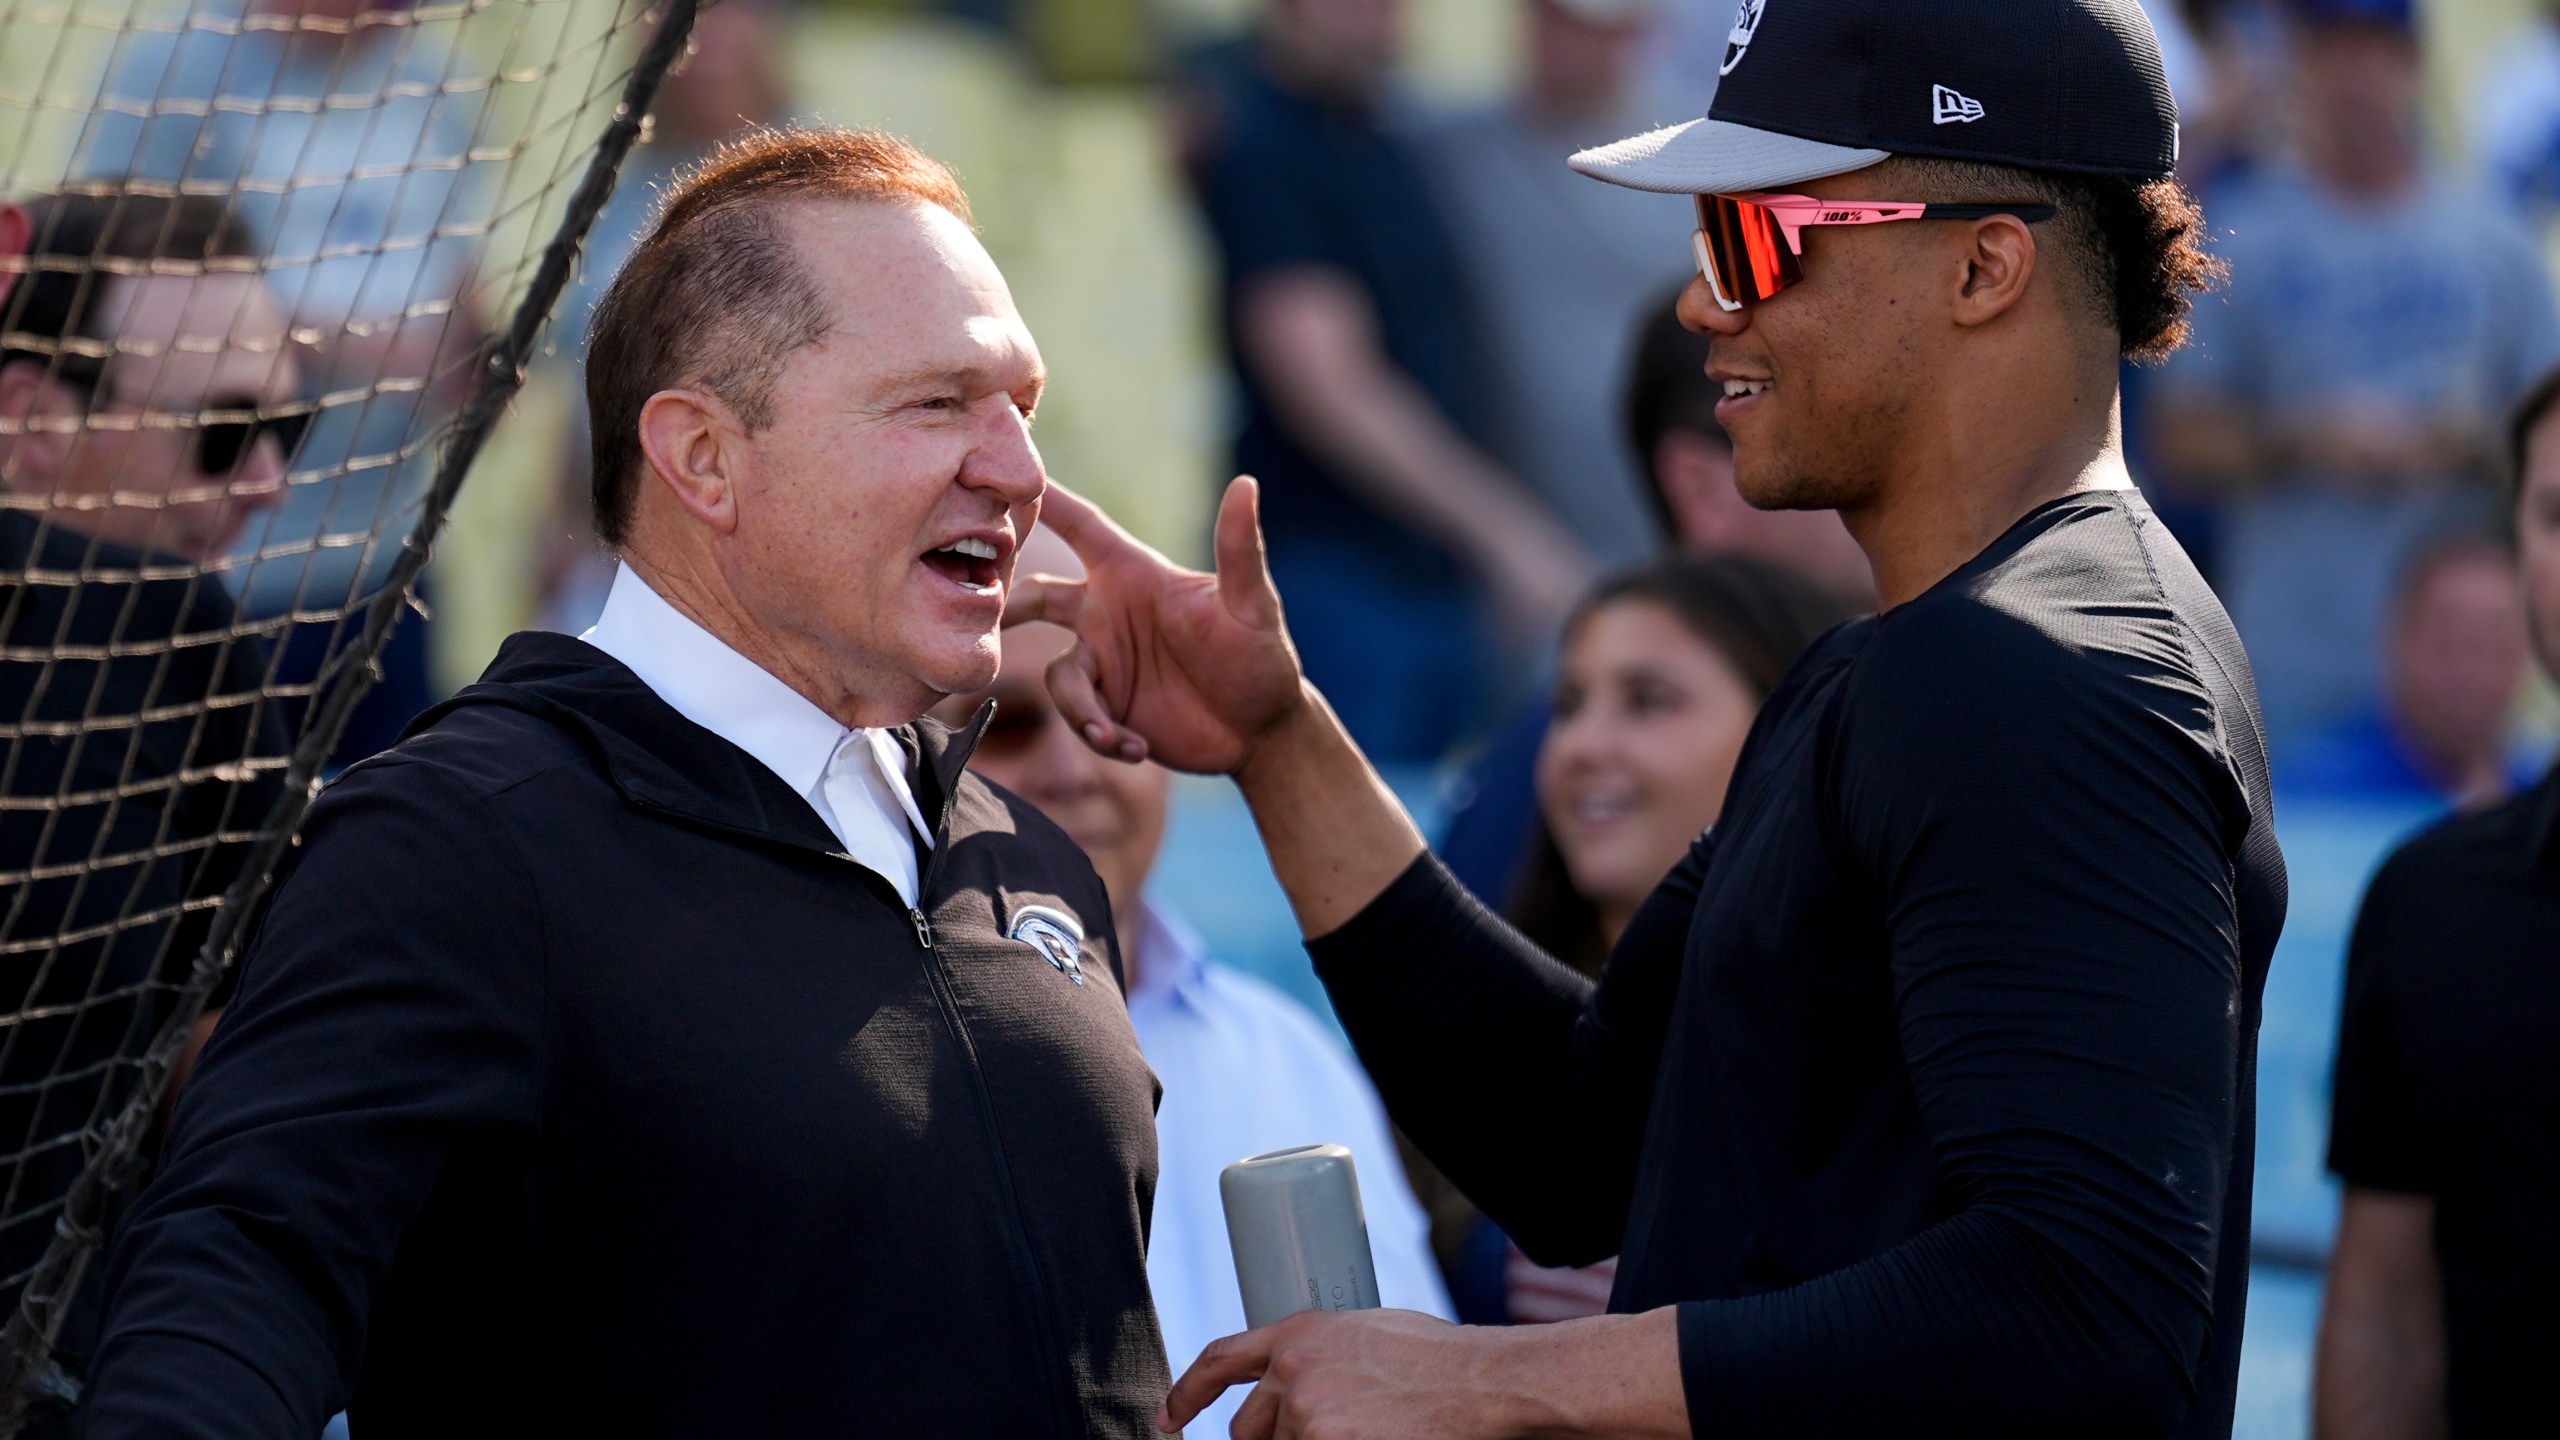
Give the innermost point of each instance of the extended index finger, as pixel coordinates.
(1235, 1360)
(1053, 598)
(1093, 535)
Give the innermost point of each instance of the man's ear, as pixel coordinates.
(32, 451)
(1999, 260)
(695, 445)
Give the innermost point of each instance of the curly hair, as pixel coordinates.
(2135, 246)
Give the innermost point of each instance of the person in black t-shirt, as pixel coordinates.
(1918, 1100)
(2441, 1316)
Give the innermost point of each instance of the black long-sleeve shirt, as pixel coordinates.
(1923, 1086)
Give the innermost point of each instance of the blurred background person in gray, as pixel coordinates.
(1560, 271)
(1396, 540)
(2341, 400)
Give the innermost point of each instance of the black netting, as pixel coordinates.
(286, 262)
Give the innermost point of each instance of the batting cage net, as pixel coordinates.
(273, 270)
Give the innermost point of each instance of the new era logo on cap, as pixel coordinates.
(1951, 107)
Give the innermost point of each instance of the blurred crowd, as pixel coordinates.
(1500, 509)
(1433, 337)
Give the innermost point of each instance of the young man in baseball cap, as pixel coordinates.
(1917, 1101)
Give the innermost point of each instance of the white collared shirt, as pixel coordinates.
(1246, 1069)
(856, 779)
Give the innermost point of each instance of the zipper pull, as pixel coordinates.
(924, 928)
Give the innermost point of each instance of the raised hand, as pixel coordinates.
(1188, 668)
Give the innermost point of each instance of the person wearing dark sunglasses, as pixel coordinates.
(144, 418)
(156, 411)
(1917, 1100)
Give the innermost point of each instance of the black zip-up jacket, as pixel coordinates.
(577, 1084)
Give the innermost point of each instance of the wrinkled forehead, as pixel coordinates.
(910, 287)
(188, 333)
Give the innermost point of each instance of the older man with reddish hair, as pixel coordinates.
(671, 1038)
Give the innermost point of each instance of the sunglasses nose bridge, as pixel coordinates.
(1707, 269)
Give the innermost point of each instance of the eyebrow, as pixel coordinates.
(965, 376)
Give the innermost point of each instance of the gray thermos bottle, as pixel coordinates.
(1300, 1239)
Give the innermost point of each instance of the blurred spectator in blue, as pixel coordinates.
(2439, 1319)
(2454, 659)
(1560, 270)
(1245, 1069)
(341, 131)
(1667, 419)
(1662, 673)
(1346, 316)
(732, 77)
(2515, 111)
(2341, 402)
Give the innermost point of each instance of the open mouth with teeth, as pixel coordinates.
(1594, 809)
(969, 561)
(1735, 389)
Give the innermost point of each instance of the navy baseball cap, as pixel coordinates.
(1809, 88)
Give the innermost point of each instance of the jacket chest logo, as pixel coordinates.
(1057, 935)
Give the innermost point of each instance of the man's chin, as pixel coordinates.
(1786, 491)
(964, 668)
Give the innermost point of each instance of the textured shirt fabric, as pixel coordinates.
(2433, 306)
(576, 1085)
(1923, 1086)
(1562, 272)
(855, 778)
(2448, 1085)
(1247, 1070)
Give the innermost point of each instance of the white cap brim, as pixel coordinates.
(1717, 157)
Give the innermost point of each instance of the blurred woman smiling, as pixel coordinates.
(1662, 672)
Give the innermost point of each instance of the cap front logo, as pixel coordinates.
(1953, 107)
(1746, 23)
(1056, 935)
